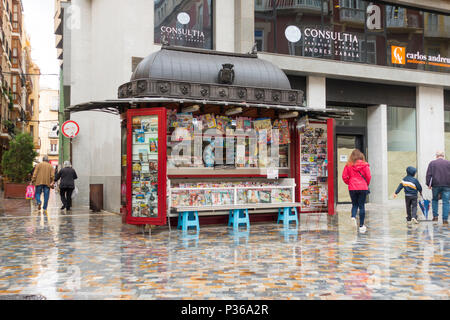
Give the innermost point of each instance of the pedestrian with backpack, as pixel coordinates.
(357, 176)
(411, 186)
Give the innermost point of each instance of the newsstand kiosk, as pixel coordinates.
(213, 132)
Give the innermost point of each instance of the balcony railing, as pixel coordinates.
(265, 5)
(52, 152)
(351, 15)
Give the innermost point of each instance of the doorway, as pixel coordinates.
(345, 144)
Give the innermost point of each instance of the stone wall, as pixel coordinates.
(398, 161)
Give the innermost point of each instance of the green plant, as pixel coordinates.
(17, 162)
(9, 125)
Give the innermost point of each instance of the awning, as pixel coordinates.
(117, 106)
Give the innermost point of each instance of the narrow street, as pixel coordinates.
(86, 255)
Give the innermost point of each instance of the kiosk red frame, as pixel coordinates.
(161, 113)
(161, 219)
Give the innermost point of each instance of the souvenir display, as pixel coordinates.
(314, 167)
(236, 145)
(144, 167)
(264, 125)
(284, 134)
(223, 192)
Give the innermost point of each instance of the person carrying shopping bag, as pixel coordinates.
(66, 185)
(357, 176)
(43, 176)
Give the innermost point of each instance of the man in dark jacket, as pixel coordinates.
(411, 186)
(67, 184)
(438, 179)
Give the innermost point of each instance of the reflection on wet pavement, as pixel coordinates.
(82, 255)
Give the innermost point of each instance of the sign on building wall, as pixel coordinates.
(184, 23)
(371, 32)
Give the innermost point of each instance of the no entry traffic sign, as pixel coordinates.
(70, 129)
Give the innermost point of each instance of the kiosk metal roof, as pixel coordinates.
(116, 106)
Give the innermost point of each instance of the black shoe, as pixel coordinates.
(39, 206)
(435, 218)
(63, 207)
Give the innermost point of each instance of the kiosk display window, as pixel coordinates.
(314, 167)
(213, 142)
(146, 175)
(145, 166)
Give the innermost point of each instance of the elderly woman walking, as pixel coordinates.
(67, 184)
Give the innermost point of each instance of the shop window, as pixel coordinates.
(447, 134)
(401, 139)
(395, 16)
(359, 118)
(338, 30)
(184, 23)
(259, 39)
(432, 22)
(212, 142)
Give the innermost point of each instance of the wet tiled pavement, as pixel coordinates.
(85, 255)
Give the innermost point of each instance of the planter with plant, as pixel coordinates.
(8, 127)
(11, 101)
(17, 164)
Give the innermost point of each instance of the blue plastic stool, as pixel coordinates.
(180, 218)
(187, 221)
(230, 218)
(285, 214)
(239, 216)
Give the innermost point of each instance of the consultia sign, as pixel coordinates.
(70, 129)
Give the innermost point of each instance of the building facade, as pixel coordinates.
(387, 61)
(19, 77)
(48, 125)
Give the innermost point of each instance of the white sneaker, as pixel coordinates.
(362, 229)
(414, 220)
(354, 221)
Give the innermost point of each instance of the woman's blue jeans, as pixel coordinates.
(39, 190)
(358, 202)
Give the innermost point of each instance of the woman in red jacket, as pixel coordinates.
(357, 176)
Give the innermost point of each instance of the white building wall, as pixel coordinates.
(103, 43)
(430, 126)
(316, 95)
(224, 25)
(377, 152)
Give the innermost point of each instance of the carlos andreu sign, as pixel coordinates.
(317, 41)
(181, 31)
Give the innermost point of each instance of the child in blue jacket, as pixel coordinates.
(411, 186)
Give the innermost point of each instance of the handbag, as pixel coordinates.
(30, 192)
(74, 193)
(368, 189)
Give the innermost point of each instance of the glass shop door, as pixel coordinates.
(146, 166)
(345, 144)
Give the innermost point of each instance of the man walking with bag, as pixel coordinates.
(67, 184)
(438, 179)
(43, 177)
